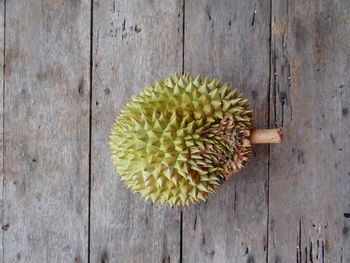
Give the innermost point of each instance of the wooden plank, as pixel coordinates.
(310, 94)
(135, 42)
(46, 131)
(2, 62)
(227, 40)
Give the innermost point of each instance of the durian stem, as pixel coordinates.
(266, 136)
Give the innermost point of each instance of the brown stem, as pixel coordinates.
(266, 136)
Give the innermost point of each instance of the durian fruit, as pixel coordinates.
(179, 140)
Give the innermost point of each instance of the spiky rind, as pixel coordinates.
(178, 140)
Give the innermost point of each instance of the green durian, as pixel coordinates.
(179, 140)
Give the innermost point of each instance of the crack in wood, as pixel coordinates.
(299, 242)
(323, 251)
(253, 19)
(274, 90)
(195, 221)
(310, 251)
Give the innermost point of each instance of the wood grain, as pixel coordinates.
(2, 83)
(135, 42)
(229, 41)
(309, 172)
(46, 132)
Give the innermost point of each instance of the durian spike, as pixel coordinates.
(266, 136)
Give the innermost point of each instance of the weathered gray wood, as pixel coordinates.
(2, 35)
(224, 39)
(46, 129)
(46, 132)
(310, 97)
(134, 43)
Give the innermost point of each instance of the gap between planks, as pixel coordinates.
(90, 121)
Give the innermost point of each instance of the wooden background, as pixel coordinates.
(70, 65)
